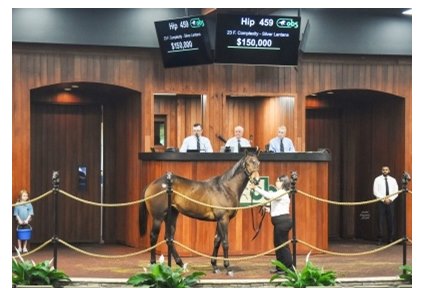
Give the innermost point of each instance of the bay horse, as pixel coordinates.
(224, 190)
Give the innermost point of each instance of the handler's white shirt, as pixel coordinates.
(280, 205)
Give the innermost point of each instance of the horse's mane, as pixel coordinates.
(233, 171)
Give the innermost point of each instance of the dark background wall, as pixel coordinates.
(341, 31)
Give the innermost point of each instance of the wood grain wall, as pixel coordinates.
(141, 70)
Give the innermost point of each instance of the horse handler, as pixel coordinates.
(280, 218)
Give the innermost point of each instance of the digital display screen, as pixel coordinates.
(184, 41)
(265, 40)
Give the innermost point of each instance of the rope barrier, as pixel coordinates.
(347, 203)
(110, 204)
(231, 259)
(212, 257)
(34, 199)
(228, 207)
(35, 250)
(351, 254)
(66, 194)
(72, 247)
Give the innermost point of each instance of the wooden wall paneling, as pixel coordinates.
(215, 80)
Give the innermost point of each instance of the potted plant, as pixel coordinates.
(406, 273)
(31, 273)
(160, 275)
(309, 276)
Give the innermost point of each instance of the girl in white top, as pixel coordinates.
(280, 218)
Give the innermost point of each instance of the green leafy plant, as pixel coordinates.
(29, 273)
(406, 273)
(160, 275)
(309, 276)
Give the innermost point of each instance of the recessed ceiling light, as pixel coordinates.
(75, 86)
(330, 92)
(407, 12)
(67, 89)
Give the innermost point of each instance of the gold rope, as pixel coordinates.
(35, 250)
(34, 199)
(235, 258)
(351, 254)
(110, 204)
(228, 207)
(347, 203)
(106, 256)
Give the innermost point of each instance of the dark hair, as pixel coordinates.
(197, 125)
(286, 182)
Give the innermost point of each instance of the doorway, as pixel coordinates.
(91, 136)
(363, 130)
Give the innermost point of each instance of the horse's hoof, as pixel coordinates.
(230, 273)
(180, 263)
(216, 270)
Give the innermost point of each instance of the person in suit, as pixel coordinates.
(385, 185)
(237, 141)
(281, 144)
(196, 141)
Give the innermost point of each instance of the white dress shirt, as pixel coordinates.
(280, 205)
(274, 145)
(232, 142)
(190, 143)
(380, 187)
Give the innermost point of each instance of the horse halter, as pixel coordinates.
(249, 174)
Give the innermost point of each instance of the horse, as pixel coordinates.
(224, 191)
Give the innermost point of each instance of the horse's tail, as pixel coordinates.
(142, 218)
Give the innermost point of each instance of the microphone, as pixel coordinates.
(221, 138)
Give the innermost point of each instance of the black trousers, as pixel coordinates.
(386, 217)
(282, 225)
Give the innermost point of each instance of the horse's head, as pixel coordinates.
(251, 166)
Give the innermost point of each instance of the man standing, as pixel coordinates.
(196, 141)
(384, 185)
(237, 141)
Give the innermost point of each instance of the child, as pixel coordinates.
(23, 214)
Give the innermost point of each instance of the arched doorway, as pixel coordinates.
(364, 130)
(90, 133)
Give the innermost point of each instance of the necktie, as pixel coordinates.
(387, 185)
(281, 146)
(238, 145)
(198, 142)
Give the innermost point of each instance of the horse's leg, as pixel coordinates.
(177, 258)
(223, 230)
(154, 238)
(216, 244)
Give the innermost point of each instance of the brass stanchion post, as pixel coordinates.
(55, 182)
(168, 217)
(405, 179)
(293, 180)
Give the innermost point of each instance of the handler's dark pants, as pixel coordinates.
(282, 225)
(386, 213)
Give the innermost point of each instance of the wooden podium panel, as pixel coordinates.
(311, 215)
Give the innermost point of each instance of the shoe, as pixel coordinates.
(25, 250)
(276, 271)
(20, 251)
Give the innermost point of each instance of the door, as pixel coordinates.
(66, 138)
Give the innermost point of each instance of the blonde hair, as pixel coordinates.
(21, 192)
